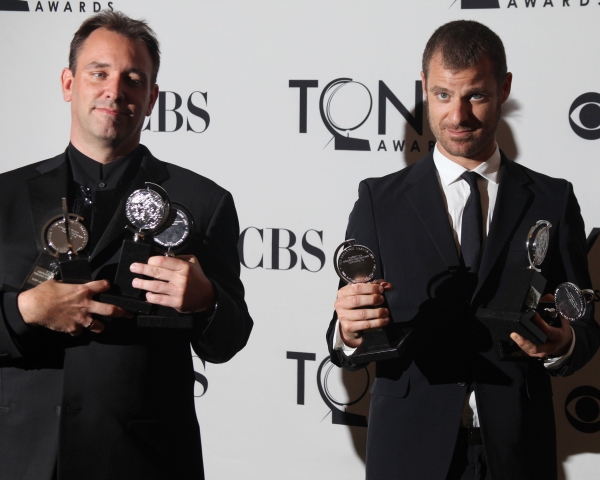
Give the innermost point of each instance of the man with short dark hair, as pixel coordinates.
(86, 392)
(446, 233)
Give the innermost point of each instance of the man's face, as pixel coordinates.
(110, 93)
(464, 108)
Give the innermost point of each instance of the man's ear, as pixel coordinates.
(153, 97)
(506, 85)
(424, 85)
(66, 81)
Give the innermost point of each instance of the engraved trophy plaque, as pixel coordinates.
(521, 298)
(357, 264)
(147, 210)
(62, 244)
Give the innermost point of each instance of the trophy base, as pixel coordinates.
(502, 324)
(157, 321)
(133, 305)
(385, 344)
(75, 270)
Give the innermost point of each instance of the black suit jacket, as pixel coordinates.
(418, 399)
(120, 404)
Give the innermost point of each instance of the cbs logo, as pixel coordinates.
(584, 116)
(582, 409)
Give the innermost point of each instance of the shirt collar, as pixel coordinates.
(90, 173)
(451, 171)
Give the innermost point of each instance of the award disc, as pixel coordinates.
(147, 209)
(356, 263)
(570, 301)
(55, 235)
(537, 243)
(175, 235)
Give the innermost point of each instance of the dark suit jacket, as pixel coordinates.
(418, 399)
(120, 404)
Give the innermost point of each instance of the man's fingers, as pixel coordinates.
(155, 286)
(106, 310)
(94, 326)
(358, 301)
(97, 286)
(360, 289)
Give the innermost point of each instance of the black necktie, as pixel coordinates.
(472, 228)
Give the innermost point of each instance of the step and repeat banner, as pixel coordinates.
(289, 105)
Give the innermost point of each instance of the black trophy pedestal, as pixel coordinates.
(125, 295)
(517, 309)
(74, 269)
(384, 344)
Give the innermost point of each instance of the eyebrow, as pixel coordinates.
(471, 91)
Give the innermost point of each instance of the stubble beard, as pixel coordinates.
(470, 145)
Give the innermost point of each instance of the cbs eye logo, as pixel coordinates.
(584, 116)
(582, 409)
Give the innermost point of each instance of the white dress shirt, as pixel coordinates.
(455, 192)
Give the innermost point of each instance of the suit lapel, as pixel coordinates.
(425, 197)
(513, 197)
(151, 170)
(46, 192)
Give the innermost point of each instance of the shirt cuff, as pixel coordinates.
(552, 363)
(338, 343)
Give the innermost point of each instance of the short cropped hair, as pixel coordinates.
(119, 23)
(464, 43)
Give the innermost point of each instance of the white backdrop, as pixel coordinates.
(258, 418)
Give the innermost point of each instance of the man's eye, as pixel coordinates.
(443, 96)
(135, 81)
(99, 74)
(477, 96)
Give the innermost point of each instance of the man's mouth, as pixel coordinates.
(111, 112)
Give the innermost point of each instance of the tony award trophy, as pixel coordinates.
(149, 213)
(147, 210)
(520, 298)
(60, 259)
(357, 264)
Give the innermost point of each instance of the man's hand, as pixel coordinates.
(67, 308)
(558, 342)
(180, 283)
(353, 312)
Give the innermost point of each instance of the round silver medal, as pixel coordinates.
(55, 235)
(175, 235)
(147, 209)
(537, 243)
(356, 263)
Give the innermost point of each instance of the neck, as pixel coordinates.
(103, 154)
(471, 162)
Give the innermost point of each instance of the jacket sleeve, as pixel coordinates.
(572, 265)
(219, 337)
(362, 228)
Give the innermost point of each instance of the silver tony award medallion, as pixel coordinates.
(520, 298)
(63, 237)
(570, 302)
(177, 232)
(147, 209)
(357, 264)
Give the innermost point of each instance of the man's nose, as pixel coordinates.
(114, 87)
(460, 111)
